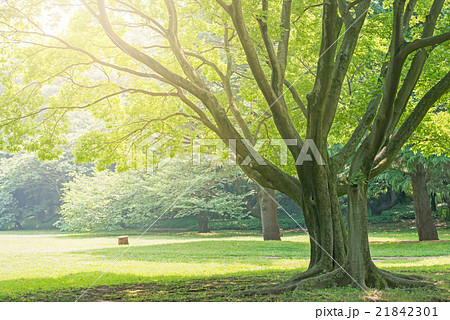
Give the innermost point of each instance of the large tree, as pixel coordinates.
(227, 65)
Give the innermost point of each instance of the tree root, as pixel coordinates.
(404, 276)
(375, 278)
(314, 279)
(288, 285)
(282, 287)
(394, 280)
(335, 278)
(312, 272)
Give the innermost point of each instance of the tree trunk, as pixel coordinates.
(202, 220)
(53, 217)
(269, 218)
(323, 218)
(18, 225)
(356, 268)
(433, 202)
(324, 221)
(424, 220)
(359, 261)
(384, 202)
(359, 269)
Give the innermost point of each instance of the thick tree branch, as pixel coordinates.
(408, 13)
(325, 66)
(385, 114)
(274, 64)
(279, 111)
(388, 154)
(283, 46)
(397, 26)
(416, 67)
(178, 51)
(424, 42)
(170, 76)
(277, 60)
(229, 92)
(343, 59)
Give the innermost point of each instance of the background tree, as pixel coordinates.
(201, 191)
(269, 215)
(112, 201)
(424, 219)
(426, 176)
(105, 201)
(30, 190)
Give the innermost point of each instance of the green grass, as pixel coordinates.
(184, 266)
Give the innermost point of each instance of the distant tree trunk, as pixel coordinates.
(424, 220)
(202, 220)
(384, 202)
(252, 209)
(248, 203)
(269, 218)
(433, 202)
(53, 217)
(18, 226)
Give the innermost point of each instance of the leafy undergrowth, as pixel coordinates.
(229, 288)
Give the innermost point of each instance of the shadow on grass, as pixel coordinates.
(130, 287)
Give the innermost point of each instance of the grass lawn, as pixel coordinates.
(185, 266)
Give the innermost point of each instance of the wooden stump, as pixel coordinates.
(123, 240)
